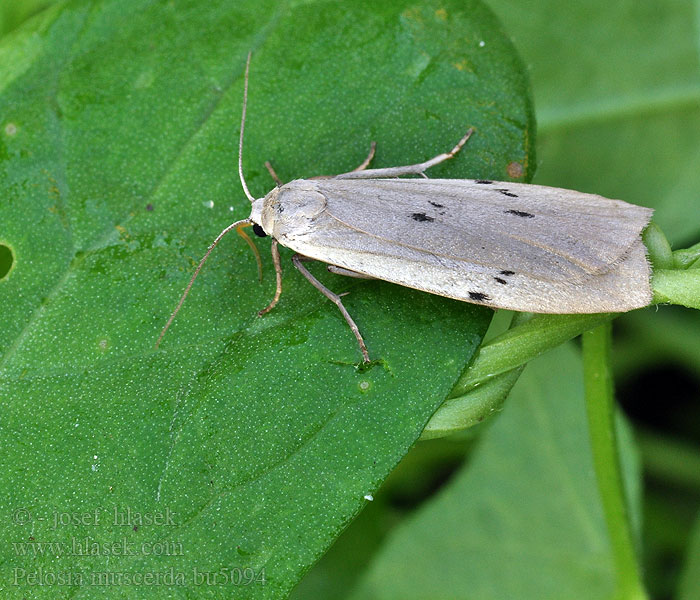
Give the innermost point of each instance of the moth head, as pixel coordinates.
(256, 212)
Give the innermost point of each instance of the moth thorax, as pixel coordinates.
(290, 209)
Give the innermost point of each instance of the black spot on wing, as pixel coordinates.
(484, 181)
(501, 280)
(507, 273)
(478, 297)
(505, 192)
(519, 213)
(436, 205)
(422, 217)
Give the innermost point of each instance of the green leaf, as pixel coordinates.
(12, 14)
(523, 518)
(255, 439)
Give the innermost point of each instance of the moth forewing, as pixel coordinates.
(515, 246)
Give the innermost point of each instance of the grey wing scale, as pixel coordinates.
(546, 232)
(502, 244)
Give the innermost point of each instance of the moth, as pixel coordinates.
(505, 245)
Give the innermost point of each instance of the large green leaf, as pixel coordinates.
(255, 439)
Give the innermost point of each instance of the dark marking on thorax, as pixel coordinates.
(422, 217)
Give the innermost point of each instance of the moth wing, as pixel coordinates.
(507, 245)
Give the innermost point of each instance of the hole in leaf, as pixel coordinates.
(7, 259)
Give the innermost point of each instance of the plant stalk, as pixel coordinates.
(600, 407)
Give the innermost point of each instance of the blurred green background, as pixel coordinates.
(617, 98)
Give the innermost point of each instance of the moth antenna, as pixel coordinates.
(213, 245)
(240, 141)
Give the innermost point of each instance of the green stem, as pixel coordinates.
(606, 461)
(484, 385)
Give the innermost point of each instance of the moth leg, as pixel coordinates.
(361, 167)
(365, 163)
(278, 275)
(272, 173)
(348, 272)
(417, 169)
(297, 260)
